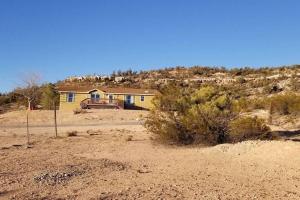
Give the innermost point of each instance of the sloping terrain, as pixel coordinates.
(109, 166)
(119, 161)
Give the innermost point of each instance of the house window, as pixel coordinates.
(70, 97)
(142, 98)
(95, 97)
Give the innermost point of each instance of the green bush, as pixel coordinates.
(208, 123)
(165, 119)
(245, 128)
(205, 115)
(186, 116)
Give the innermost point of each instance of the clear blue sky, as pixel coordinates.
(58, 38)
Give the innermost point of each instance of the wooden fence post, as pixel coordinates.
(27, 123)
(55, 120)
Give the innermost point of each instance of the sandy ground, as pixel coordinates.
(123, 162)
(40, 117)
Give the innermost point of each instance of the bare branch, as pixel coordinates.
(29, 88)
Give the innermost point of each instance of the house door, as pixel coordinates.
(129, 101)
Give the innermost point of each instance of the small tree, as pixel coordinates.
(49, 100)
(30, 90)
(50, 96)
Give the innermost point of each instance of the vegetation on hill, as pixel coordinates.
(240, 82)
(261, 80)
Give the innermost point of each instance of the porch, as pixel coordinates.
(90, 103)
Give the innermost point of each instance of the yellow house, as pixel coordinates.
(72, 98)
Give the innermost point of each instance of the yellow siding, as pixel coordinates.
(64, 105)
(120, 98)
(101, 93)
(146, 104)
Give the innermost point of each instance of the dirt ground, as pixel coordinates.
(113, 157)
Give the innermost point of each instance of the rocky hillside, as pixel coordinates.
(245, 82)
(258, 80)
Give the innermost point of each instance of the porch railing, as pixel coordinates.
(94, 102)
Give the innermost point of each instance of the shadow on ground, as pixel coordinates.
(288, 135)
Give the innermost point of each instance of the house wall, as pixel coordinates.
(146, 104)
(120, 98)
(102, 94)
(64, 105)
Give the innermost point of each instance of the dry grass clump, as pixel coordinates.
(281, 104)
(287, 104)
(120, 130)
(93, 132)
(129, 138)
(72, 133)
(79, 111)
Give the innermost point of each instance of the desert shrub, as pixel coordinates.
(4, 99)
(248, 105)
(208, 123)
(186, 116)
(236, 90)
(258, 103)
(204, 115)
(259, 83)
(241, 105)
(294, 83)
(129, 138)
(79, 111)
(241, 80)
(244, 128)
(273, 88)
(285, 104)
(72, 133)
